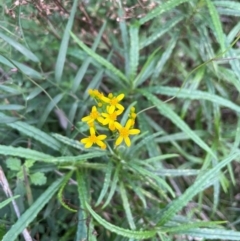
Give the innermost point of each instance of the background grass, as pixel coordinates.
(177, 62)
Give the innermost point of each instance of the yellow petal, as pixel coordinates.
(134, 131)
(111, 109)
(86, 118)
(105, 99)
(118, 125)
(127, 141)
(119, 141)
(100, 143)
(88, 144)
(84, 140)
(120, 107)
(120, 97)
(128, 125)
(92, 131)
(101, 137)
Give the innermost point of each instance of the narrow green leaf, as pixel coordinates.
(106, 184)
(36, 134)
(11, 107)
(124, 35)
(22, 49)
(216, 234)
(165, 28)
(171, 115)
(113, 186)
(217, 24)
(126, 206)
(32, 212)
(23, 68)
(134, 51)
(77, 159)
(228, 4)
(147, 69)
(100, 59)
(6, 202)
(194, 95)
(52, 104)
(64, 44)
(15, 90)
(199, 185)
(165, 56)
(162, 184)
(69, 142)
(163, 7)
(82, 71)
(24, 153)
(120, 231)
(181, 227)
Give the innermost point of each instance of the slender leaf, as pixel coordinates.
(170, 114)
(6, 202)
(26, 52)
(216, 234)
(64, 44)
(100, 59)
(134, 51)
(120, 231)
(126, 206)
(51, 105)
(194, 95)
(217, 24)
(82, 71)
(163, 7)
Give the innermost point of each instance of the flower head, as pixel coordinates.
(113, 101)
(93, 139)
(124, 132)
(111, 118)
(94, 115)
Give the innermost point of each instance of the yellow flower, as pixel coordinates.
(124, 133)
(132, 116)
(111, 117)
(93, 139)
(114, 101)
(94, 115)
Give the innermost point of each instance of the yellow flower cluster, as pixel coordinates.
(105, 113)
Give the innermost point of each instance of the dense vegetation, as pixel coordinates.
(174, 66)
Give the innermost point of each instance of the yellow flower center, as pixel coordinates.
(94, 114)
(124, 132)
(93, 138)
(113, 116)
(113, 101)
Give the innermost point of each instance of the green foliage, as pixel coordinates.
(177, 63)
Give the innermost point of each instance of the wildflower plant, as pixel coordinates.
(106, 114)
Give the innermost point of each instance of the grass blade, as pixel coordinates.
(134, 51)
(100, 59)
(19, 47)
(82, 71)
(217, 24)
(120, 231)
(163, 7)
(64, 44)
(171, 115)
